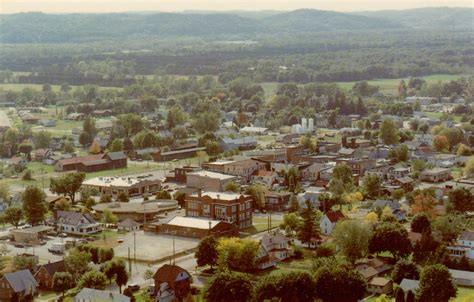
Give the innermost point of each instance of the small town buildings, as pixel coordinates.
(238, 166)
(93, 163)
(254, 130)
(380, 285)
(128, 225)
(196, 227)
(328, 221)
(18, 286)
(241, 143)
(210, 181)
(233, 208)
(75, 223)
(137, 211)
(31, 236)
(172, 280)
(177, 154)
(179, 174)
(464, 246)
(264, 177)
(435, 175)
(45, 273)
(277, 245)
(276, 201)
(40, 154)
(95, 295)
(132, 186)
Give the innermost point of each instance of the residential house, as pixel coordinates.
(277, 246)
(264, 177)
(380, 285)
(95, 295)
(76, 223)
(128, 225)
(464, 246)
(368, 272)
(406, 182)
(45, 273)
(409, 285)
(230, 207)
(462, 278)
(18, 286)
(397, 172)
(435, 175)
(276, 201)
(40, 154)
(263, 259)
(311, 172)
(328, 221)
(177, 279)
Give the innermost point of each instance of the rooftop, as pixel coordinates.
(221, 195)
(191, 222)
(210, 174)
(117, 181)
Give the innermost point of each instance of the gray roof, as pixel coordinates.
(467, 235)
(95, 295)
(409, 285)
(21, 281)
(117, 155)
(128, 223)
(74, 218)
(457, 274)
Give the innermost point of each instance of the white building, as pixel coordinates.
(328, 221)
(464, 246)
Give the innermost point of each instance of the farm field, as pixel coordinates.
(387, 86)
(19, 87)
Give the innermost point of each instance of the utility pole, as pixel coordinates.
(134, 246)
(129, 262)
(174, 262)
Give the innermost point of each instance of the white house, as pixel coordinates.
(464, 246)
(264, 177)
(277, 246)
(76, 223)
(328, 221)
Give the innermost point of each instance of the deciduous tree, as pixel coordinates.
(436, 284)
(68, 184)
(92, 279)
(352, 238)
(226, 285)
(34, 205)
(206, 253)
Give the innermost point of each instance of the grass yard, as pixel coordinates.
(465, 294)
(261, 224)
(437, 115)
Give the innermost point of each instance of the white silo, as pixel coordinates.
(304, 124)
(310, 124)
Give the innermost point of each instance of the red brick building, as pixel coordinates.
(232, 208)
(45, 273)
(93, 163)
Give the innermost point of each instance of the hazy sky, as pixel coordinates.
(62, 6)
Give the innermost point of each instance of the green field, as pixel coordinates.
(387, 86)
(38, 87)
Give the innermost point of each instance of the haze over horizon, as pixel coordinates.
(103, 6)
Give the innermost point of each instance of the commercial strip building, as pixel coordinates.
(132, 186)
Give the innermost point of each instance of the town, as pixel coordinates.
(230, 188)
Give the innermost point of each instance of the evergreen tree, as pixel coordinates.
(309, 230)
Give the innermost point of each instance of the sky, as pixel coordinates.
(98, 6)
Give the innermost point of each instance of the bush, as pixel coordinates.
(297, 252)
(325, 250)
(27, 175)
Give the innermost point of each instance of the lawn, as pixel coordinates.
(260, 224)
(437, 115)
(465, 294)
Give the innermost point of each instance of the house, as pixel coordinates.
(380, 265)
(328, 221)
(47, 123)
(409, 285)
(18, 286)
(277, 245)
(45, 273)
(397, 172)
(177, 279)
(207, 180)
(241, 143)
(263, 259)
(253, 130)
(406, 182)
(464, 246)
(230, 207)
(264, 177)
(435, 175)
(132, 186)
(276, 201)
(128, 225)
(311, 172)
(76, 223)
(462, 278)
(195, 227)
(40, 154)
(368, 272)
(380, 285)
(93, 163)
(95, 295)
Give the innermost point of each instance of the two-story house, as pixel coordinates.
(172, 283)
(75, 223)
(464, 246)
(45, 273)
(328, 221)
(18, 286)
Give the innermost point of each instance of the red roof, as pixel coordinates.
(335, 216)
(169, 273)
(80, 159)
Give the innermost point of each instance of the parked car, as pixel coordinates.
(62, 235)
(120, 240)
(18, 245)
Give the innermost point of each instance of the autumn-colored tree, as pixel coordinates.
(371, 217)
(424, 203)
(94, 148)
(441, 143)
(469, 168)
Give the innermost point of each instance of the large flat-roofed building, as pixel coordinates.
(132, 186)
(136, 211)
(232, 208)
(209, 181)
(197, 227)
(435, 175)
(31, 236)
(93, 163)
(243, 167)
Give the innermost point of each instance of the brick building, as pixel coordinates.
(45, 273)
(232, 208)
(93, 163)
(208, 180)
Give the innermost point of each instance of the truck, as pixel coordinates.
(57, 248)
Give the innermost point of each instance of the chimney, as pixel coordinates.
(200, 192)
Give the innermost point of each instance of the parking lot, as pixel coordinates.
(152, 247)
